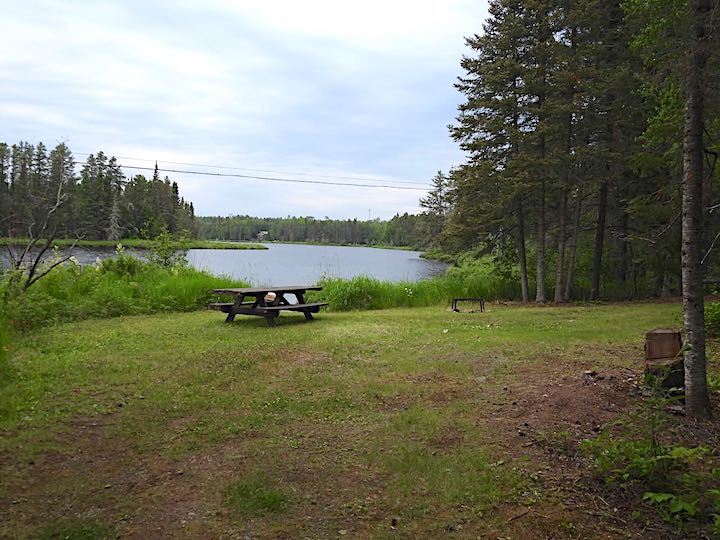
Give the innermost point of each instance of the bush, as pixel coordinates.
(167, 252)
(641, 457)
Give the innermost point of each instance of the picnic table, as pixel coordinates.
(267, 302)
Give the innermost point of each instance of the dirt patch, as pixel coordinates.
(580, 403)
(449, 438)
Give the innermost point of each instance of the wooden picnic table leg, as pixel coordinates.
(300, 295)
(238, 302)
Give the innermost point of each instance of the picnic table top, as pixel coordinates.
(269, 288)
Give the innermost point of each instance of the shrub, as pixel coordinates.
(675, 480)
(167, 252)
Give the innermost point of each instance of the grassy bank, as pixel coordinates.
(119, 286)
(473, 281)
(390, 423)
(137, 243)
(125, 285)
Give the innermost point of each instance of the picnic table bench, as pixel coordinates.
(267, 302)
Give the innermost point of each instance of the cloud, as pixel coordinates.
(324, 87)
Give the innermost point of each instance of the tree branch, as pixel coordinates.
(33, 279)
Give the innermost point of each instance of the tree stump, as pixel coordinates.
(663, 361)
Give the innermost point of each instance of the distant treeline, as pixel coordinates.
(42, 194)
(402, 230)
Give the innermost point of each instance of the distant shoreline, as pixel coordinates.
(375, 246)
(141, 243)
(138, 243)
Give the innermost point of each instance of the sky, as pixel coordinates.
(313, 90)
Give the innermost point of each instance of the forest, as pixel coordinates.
(572, 122)
(41, 190)
(406, 230)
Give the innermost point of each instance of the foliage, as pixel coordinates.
(675, 479)
(167, 252)
(99, 203)
(404, 230)
(571, 121)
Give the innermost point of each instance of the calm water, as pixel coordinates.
(296, 264)
(302, 264)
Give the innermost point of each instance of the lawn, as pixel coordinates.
(393, 423)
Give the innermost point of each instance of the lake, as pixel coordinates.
(303, 264)
(300, 264)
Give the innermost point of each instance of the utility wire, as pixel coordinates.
(293, 173)
(271, 179)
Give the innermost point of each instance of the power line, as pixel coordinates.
(271, 179)
(293, 173)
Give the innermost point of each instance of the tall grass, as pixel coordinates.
(120, 286)
(479, 279)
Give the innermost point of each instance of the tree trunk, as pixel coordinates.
(599, 242)
(521, 249)
(622, 251)
(540, 267)
(562, 210)
(573, 247)
(697, 400)
(560, 270)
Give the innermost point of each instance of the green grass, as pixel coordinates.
(378, 423)
(253, 496)
(137, 243)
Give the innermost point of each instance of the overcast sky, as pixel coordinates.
(324, 88)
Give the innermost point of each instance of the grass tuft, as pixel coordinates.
(253, 496)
